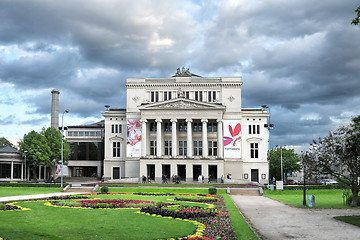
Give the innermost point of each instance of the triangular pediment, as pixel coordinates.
(181, 103)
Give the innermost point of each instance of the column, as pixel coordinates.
(220, 140)
(204, 138)
(22, 171)
(12, 171)
(189, 138)
(173, 137)
(158, 138)
(144, 139)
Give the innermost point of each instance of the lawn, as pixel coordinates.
(324, 198)
(16, 191)
(51, 222)
(355, 220)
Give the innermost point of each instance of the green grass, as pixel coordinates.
(43, 222)
(16, 191)
(242, 229)
(355, 220)
(324, 198)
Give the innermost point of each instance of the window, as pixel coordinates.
(154, 96)
(167, 127)
(153, 148)
(168, 148)
(254, 150)
(167, 96)
(182, 148)
(76, 134)
(81, 134)
(87, 134)
(254, 129)
(153, 127)
(116, 149)
(212, 127)
(211, 96)
(197, 127)
(212, 145)
(116, 128)
(198, 96)
(70, 134)
(182, 127)
(187, 94)
(197, 148)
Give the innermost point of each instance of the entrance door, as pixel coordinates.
(255, 175)
(196, 172)
(116, 173)
(213, 172)
(166, 170)
(182, 172)
(151, 171)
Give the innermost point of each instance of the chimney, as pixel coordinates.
(55, 109)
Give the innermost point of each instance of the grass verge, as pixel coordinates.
(17, 191)
(355, 220)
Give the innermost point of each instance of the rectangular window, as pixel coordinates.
(165, 96)
(120, 128)
(212, 127)
(182, 148)
(196, 96)
(197, 148)
(92, 134)
(212, 147)
(153, 148)
(156, 96)
(169, 95)
(112, 128)
(70, 134)
(168, 148)
(209, 96)
(87, 134)
(187, 94)
(81, 134)
(116, 128)
(116, 149)
(254, 129)
(152, 97)
(214, 96)
(258, 129)
(153, 127)
(249, 129)
(254, 150)
(76, 134)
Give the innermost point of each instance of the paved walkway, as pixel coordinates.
(271, 219)
(36, 196)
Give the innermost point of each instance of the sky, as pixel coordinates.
(299, 57)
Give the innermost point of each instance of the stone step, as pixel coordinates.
(79, 189)
(245, 191)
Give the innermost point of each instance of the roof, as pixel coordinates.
(8, 149)
(92, 125)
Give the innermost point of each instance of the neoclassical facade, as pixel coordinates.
(186, 125)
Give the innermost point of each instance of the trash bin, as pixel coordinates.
(311, 201)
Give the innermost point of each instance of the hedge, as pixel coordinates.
(310, 187)
(8, 184)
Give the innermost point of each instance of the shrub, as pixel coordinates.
(212, 191)
(104, 189)
(349, 200)
(2, 206)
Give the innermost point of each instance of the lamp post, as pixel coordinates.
(62, 147)
(268, 126)
(305, 155)
(25, 152)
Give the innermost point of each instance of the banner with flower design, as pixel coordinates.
(133, 142)
(232, 138)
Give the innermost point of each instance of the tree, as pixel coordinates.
(356, 20)
(338, 154)
(38, 150)
(290, 161)
(53, 138)
(4, 142)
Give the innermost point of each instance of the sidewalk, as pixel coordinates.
(271, 219)
(35, 196)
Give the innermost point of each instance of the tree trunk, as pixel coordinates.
(355, 193)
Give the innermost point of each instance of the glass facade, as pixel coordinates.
(87, 151)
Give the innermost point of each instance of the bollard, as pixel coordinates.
(311, 201)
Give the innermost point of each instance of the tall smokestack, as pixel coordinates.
(55, 109)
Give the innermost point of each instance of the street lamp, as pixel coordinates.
(268, 126)
(25, 152)
(62, 147)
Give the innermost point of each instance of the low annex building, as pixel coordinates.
(186, 126)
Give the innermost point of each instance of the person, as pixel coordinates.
(202, 178)
(222, 178)
(143, 179)
(199, 179)
(166, 181)
(274, 180)
(149, 180)
(178, 179)
(163, 179)
(209, 179)
(230, 176)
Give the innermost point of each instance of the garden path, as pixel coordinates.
(271, 219)
(36, 196)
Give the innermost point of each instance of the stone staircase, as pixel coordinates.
(79, 190)
(245, 191)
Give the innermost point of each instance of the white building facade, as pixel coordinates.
(186, 126)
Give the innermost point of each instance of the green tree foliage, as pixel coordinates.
(356, 20)
(4, 142)
(53, 138)
(290, 162)
(38, 150)
(338, 154)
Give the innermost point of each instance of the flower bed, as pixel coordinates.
(68, 197)
(6, 207)
(199, 200)
(105, 203)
